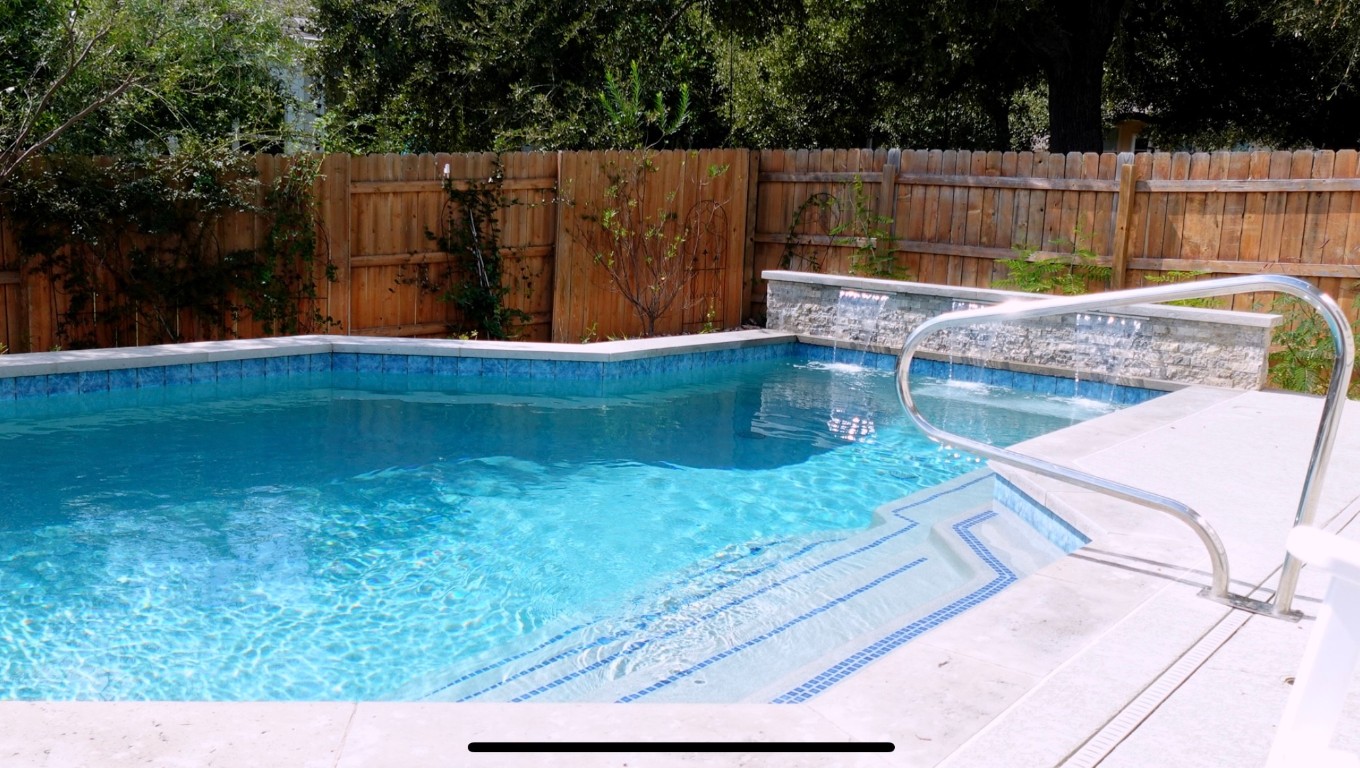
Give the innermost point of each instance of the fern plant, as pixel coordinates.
(1055, 274)
(1302, 351)
(1184, 276)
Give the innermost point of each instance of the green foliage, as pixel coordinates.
(428, 76)
(132, 243)
(1054, 274)
(1271, 73)
(112, 76)
(631, 122)
(649, 251)
(847, 221)
(282, 291)
(475, 283)
(1184, 276)
(1302, 349)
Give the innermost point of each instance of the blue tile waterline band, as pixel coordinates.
(393, 364)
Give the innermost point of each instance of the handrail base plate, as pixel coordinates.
(1251, 605)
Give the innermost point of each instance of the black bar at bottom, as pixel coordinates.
(680, 746)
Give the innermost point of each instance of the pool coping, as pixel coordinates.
(117, 358)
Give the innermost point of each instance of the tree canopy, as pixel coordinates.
(466, 75)
(469, 75)
(108, 76)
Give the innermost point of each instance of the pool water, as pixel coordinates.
(334, 536)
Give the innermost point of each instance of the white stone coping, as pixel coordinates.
(43, 363)
(993, 296)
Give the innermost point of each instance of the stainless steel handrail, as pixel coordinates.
(1024, 309)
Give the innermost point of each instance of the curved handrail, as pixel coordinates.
(1023, 309)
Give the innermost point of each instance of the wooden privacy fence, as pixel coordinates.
(945, 217)
(951, 217)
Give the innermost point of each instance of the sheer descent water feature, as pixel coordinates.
(1152, 346)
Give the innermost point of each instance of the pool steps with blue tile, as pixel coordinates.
(712, 636)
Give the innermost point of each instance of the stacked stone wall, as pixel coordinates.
(1151, 345)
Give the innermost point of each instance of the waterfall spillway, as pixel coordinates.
(858, 314)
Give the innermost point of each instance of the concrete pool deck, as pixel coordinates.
(1105, 657)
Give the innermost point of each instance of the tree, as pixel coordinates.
(472, 75)
(1266, 72)
(1070, 40)
(100, 76)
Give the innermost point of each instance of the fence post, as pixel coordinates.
(1123, 223)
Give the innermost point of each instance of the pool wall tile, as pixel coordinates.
(202, 372)
(153, 376)
(420, 365)
(8, 386)
(252, 368)
(518, 369)
(395, 364)
(30, 387)
(1052, 527)
(345, 362)
(275, 366)
(494, 367)
(229, 370)
(320, 363)
(176, 375)
(63, 384)
(369, 363)
(93, 381)
(543, 369)
(456, 366)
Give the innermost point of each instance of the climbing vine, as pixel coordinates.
(131, 245)
(283, 295)
(846, 221)
(474, 280)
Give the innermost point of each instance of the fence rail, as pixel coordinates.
(945, 217)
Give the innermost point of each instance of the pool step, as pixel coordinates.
(764, 616)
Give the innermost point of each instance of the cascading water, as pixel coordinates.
(858, 314)
(957, 340)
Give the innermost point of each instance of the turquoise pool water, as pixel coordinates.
(335, 535)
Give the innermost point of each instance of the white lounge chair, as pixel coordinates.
(1304, 735)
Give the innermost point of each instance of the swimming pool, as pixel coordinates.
(367, 521)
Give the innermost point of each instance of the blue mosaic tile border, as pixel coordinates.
(1018, 380)
(87, 382)
(1052, 527)
(861, 658)
(121, 379)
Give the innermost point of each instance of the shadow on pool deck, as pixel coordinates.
(1106, 656)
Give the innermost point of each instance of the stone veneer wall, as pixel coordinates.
(1154, 346)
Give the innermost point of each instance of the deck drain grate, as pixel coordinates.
(1103, 742)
